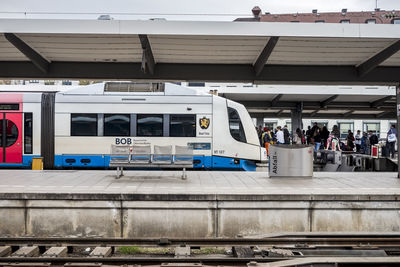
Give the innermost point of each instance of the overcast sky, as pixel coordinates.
(177, 9)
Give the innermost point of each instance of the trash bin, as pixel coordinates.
(37, 163)
(291, 161)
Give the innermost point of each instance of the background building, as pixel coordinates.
(376, 16)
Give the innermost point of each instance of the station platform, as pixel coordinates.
(207, 204)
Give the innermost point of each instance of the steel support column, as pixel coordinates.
(398, 126)
(296, 117)
(260, 121)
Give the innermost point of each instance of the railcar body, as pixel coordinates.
(77, 128)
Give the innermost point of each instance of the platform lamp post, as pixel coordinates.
(398, 125)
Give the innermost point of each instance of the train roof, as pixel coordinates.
(107, 88)
(122, 88)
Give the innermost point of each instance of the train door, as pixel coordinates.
(10, 137)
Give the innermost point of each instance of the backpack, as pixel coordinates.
(267, 138)
(391, 137)
(262, 138)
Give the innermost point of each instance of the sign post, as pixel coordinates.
(398, 126)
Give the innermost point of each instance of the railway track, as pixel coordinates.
(303, 250)
(291, 240)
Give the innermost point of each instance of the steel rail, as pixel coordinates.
(139, 260)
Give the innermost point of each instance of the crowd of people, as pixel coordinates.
(330, 140)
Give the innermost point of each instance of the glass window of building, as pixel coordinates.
(271, 125)
(117, 125)
(149, 125)
(320, 21)
(345, 21)
(396, 21)
(83, 124)
(371, 21)
(193, 84)
(182, 126)
(344, 128)
(320, 124)
(375, 127)
(289, 126)
(66, 82)
(235, 125)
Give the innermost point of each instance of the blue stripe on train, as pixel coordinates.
(26, 162)
(206, 162)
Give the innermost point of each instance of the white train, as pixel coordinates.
(77, 128)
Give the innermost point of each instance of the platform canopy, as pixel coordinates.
(316, 101)
(259, 52)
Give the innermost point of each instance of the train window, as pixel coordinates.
(9, 106)
(117, 125)
(182, 126)
(235, 125)
(11, 133)
(149, 125)
(83, 124)
(28, 133)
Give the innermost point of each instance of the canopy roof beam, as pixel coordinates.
(312, 114)
(347, 114)
(387, 115)
(383, 114)
(276, 99)
(265, 54)
(367, 66)
(38, 60)
(148, 62)
(277, 74)
(380, 102)
(329, 100)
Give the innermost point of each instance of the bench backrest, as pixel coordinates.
(183, 154)
(120, 154)
(142, 154)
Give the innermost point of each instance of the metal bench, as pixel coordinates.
(140, 156)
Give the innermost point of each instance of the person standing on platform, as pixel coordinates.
(260, 133)
(350, 141)
(298, 137)
(317, 139)
(358, 141)
(308, 135)
(286, 135)
(335, 131)
(373, 139)
(314, 129)
(280, 139)
(365, 143)
(324, 136)
(268, 140)
(391, 140)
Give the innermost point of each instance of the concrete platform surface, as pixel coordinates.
(198, 182)
(207, 204)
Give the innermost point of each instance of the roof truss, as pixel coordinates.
(148, 62)
(265, 54)
(38, 60)
(367, 66)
